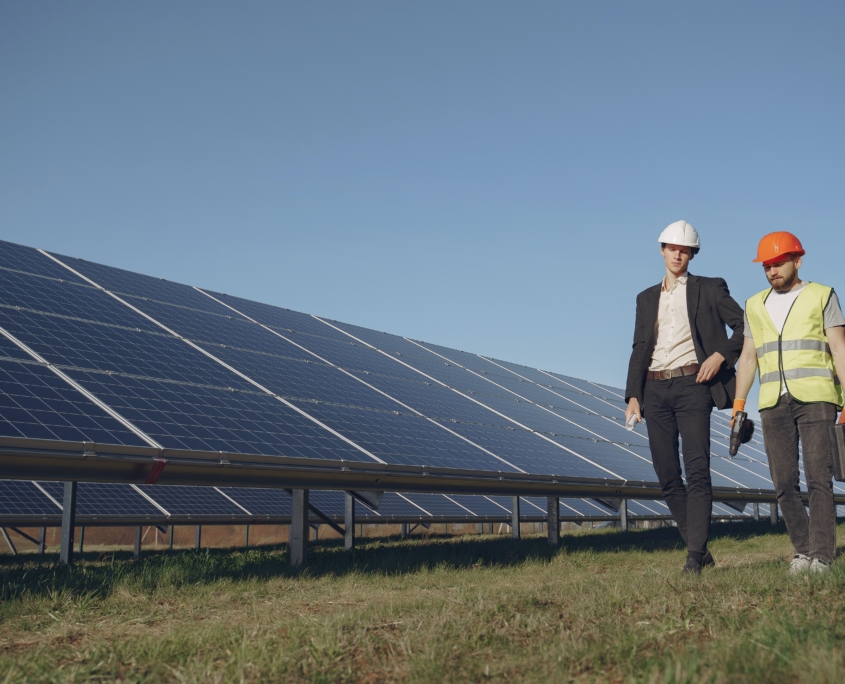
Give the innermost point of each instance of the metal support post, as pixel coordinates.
(246, 537)
(773, 512)
(137, 551)
(553, 520)
(480, 528)
(349, 523)
(9, 541)
(198, 540)
(42, 540)
(404, 530)
(623, 515)
(515, 517)
(756, 510)
(81, 539)
(68, 522)
(298, 538)
(170, 540)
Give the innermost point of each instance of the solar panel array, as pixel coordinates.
(40, 502)
(97, 354)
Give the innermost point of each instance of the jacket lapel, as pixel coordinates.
(653, 306)
(692, 299)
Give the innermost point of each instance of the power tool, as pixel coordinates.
(741, 432)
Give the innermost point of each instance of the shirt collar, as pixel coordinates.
(682, 280)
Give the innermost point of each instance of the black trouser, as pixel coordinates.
(813, 535)
(673, 407)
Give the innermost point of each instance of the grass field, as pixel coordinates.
(605, 607)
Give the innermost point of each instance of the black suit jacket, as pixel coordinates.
(711, 308)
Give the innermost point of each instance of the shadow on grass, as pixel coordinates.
(98, 574)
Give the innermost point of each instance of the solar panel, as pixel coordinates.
(20, 497)
(105, 500)
(37, 404)
(260, 502)
(192, 501)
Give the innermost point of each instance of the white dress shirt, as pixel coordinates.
(674, 347)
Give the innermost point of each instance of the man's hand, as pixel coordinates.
(633, 410)
(710, 367)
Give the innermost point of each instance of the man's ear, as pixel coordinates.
(798, 263)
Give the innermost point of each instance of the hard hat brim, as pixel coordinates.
(779, 257)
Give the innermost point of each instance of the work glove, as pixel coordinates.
(739, 405)
(842, 417)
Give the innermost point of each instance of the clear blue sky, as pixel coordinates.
(487, 176)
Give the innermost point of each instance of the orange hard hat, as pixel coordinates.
(776, 245)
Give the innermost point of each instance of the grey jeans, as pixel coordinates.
(813, 535)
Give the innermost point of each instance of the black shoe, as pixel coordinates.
(707, 561)
(692, 567)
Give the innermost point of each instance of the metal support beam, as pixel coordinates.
(81, 539)
(170, 541)
(349, 522)
(515, 517)
(553, 519)
(756, 511)
(405, 530)
(246, 537)
(480, 528)
(298, 538)
(9, 541)
(42, 540)
(198, 540)
(773, 513)
(623, 515)
(138, 535)
(68, 522)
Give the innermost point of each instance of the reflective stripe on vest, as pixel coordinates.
(800, 354)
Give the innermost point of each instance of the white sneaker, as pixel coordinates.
(800, 564)
(818, 566)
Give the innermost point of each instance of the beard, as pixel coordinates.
(784, 284)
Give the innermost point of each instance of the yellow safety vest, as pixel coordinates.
(800, 351)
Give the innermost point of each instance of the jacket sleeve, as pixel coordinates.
(733, 316)
(633, 387)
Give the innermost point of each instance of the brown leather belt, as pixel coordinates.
(691, 369)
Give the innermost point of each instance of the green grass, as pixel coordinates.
(605, 607)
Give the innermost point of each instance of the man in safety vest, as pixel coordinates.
(682, 364)
(794, 336)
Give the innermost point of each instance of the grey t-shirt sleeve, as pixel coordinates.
(833, 313)
(747, 330)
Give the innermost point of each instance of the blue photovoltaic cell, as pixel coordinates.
(9, 349)
(396, 505)
(103, 499)
(439, 506)
(328, 502)
(193, 501)
(70, 342)
(20, 497)
(210, 419)
(142, 286)
(36, 404)
(528, 451)
(67, 299)
(299, 379)
(261, 501)
(402, 438)
(277, 317)
(480, 505)
(30, 260)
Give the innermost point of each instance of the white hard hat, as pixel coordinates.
(680, 233)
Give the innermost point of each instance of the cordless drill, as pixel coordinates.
(741, 432)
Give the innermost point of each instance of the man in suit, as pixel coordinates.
(682, 364)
